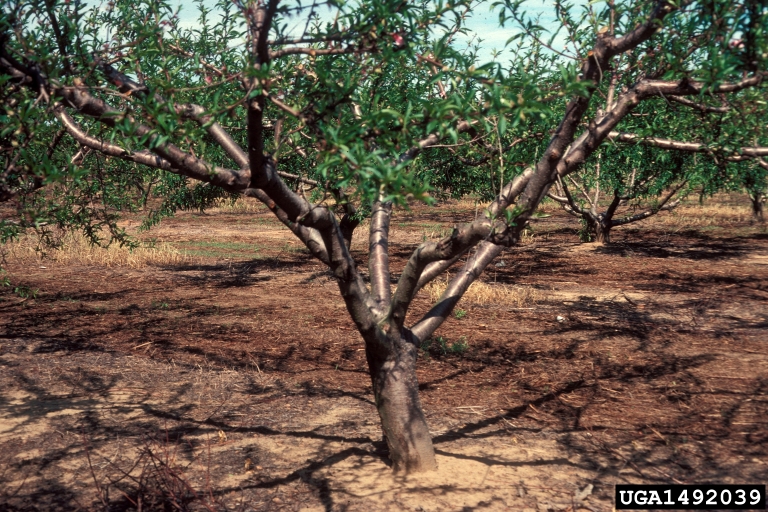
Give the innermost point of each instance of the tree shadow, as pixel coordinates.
(607, 452)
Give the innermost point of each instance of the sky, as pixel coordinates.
(482, 24)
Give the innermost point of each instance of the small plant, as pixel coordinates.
(460, 346)
(445, 347)
(160, 304)
(4, 279)
(25, 292)
(585, 234)
(442, 343)
(459, 314)
(527, 235)
(424, 347)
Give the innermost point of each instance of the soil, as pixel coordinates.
(238, 381)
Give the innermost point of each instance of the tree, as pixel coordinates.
(244, 105)
(649, 178)
(755, 179)
(721, 168)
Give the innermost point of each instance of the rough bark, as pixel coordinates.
(602, 233)
(758, 206)
(598, 228)
(604, 221)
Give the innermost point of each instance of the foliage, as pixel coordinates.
(25, 292)
(443, 347)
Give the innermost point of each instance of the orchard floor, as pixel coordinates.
(236, 380)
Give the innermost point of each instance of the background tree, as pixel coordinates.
(755, 179)
(265, 95)
(660, 178)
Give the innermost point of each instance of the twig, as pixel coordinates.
(93, 473)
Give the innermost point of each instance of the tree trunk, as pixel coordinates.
(602, 234)
(396, 391)
(758, 206)
(599, 229)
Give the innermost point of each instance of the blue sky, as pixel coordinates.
(482, 23)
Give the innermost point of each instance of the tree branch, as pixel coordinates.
(217, 132)
(310, 237)
(597, 132)
(558, 158)
(430, 141)
(569, 204)
(378, 250)
(486, 252)
(186, 163)
(692, 147)
(444, 253)
(313, 52)
(699, 106)
(662, 206)
(143, 157)
(260, 23)
(611, 211)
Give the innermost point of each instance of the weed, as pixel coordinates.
(424, 348)
(444, 347)
(584, 232)
(160, 304)
(459, 314)
(460, 346)
(25, 292)
(158, 479)
(527, 235)
(442, 343)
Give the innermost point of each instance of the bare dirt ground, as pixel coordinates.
(236, 380)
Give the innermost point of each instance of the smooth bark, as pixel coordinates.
(392, 366)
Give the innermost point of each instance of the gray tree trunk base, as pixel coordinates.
(758, 207)
(600, 231)
(396, 391)
(603, 236)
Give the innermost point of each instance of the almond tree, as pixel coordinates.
(755, 180)
(262, 97)
(599, 222)
(638, 180)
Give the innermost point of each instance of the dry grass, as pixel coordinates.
(360, 236)
(75, 249)
(527, 237)
(241, 205)
(248, 205)
(717, 211)
(470, 204)
(481, 293)
(708, 214)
